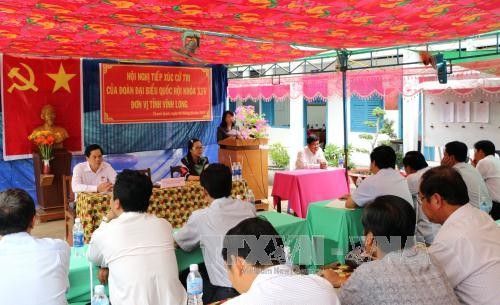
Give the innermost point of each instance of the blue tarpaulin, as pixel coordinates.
(154, 145)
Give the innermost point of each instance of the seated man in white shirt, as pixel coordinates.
(137, 247)
(455, 155)
(384, 181)
(32, 270)
(206, 228)
(312, 155)
(415, 166)
(488, 167)
(254, 254)
(94, 175)
(468, 244)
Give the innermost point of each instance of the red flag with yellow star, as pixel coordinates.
(30, 83)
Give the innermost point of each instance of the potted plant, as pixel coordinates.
(333, 153)
(386, 129)
(279, 160)
(251, 124)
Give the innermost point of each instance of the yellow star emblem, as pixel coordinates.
(61, 79)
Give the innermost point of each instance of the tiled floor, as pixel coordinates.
(55, 229)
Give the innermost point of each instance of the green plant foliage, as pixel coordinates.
(387, 128)
(333, 153)
(279, 155)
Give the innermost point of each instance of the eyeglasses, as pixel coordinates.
(420, 199)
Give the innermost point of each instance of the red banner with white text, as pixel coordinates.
(30, 83)
(151, 94)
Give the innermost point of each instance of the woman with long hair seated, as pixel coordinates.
(194, 162)
(227, 129)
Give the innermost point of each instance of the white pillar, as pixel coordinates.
(297, 130)
(335, 121)
(411, 114)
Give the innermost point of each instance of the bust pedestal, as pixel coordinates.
(49, 187)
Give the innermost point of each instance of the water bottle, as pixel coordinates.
(233, 171)
(341, 162)
(99, 297)
(78, 238)
(288, 256)
(194, 285)
(238, 171)
(484, 205)
(250, 197)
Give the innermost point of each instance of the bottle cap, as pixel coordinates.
(193, 267)
(77, 220)
(99, 289)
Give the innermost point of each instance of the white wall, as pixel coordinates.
(438, 133)
(292, 138)
(335, 124)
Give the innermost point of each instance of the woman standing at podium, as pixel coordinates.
(194, 162)
(226, 128)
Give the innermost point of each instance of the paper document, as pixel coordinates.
(338, 204)
(481, 112)
(463, 112)
(447, 112)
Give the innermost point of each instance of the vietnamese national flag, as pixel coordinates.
(29, 83)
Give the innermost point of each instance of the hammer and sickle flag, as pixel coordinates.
(29, 83)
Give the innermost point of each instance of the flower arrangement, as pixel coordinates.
(44, 140)
(250, 123)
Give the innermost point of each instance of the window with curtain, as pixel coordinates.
(361, 111)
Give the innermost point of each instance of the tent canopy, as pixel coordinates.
(232, 32)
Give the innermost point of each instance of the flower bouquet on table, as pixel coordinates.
(45, 141)
(251, 124)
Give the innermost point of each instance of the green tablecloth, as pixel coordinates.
(333, 229)
(291, 228)
(295, 234)
(79, 279)
(79, 274)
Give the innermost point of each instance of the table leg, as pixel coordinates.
(277, 203)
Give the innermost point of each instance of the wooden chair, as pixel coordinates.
(146, 171)
(175, 169)
(69, 214)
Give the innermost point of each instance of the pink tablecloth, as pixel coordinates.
(301, 187)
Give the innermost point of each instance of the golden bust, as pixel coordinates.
(48, 115)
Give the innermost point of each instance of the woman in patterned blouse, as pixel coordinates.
(400, 273)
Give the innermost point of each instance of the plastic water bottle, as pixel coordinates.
(238, 171)
(250, 197)
(484, 205)
(341, 162)
(233, 171)
(288, 256)
(194, 285)
(78, 238)
(99, 297)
